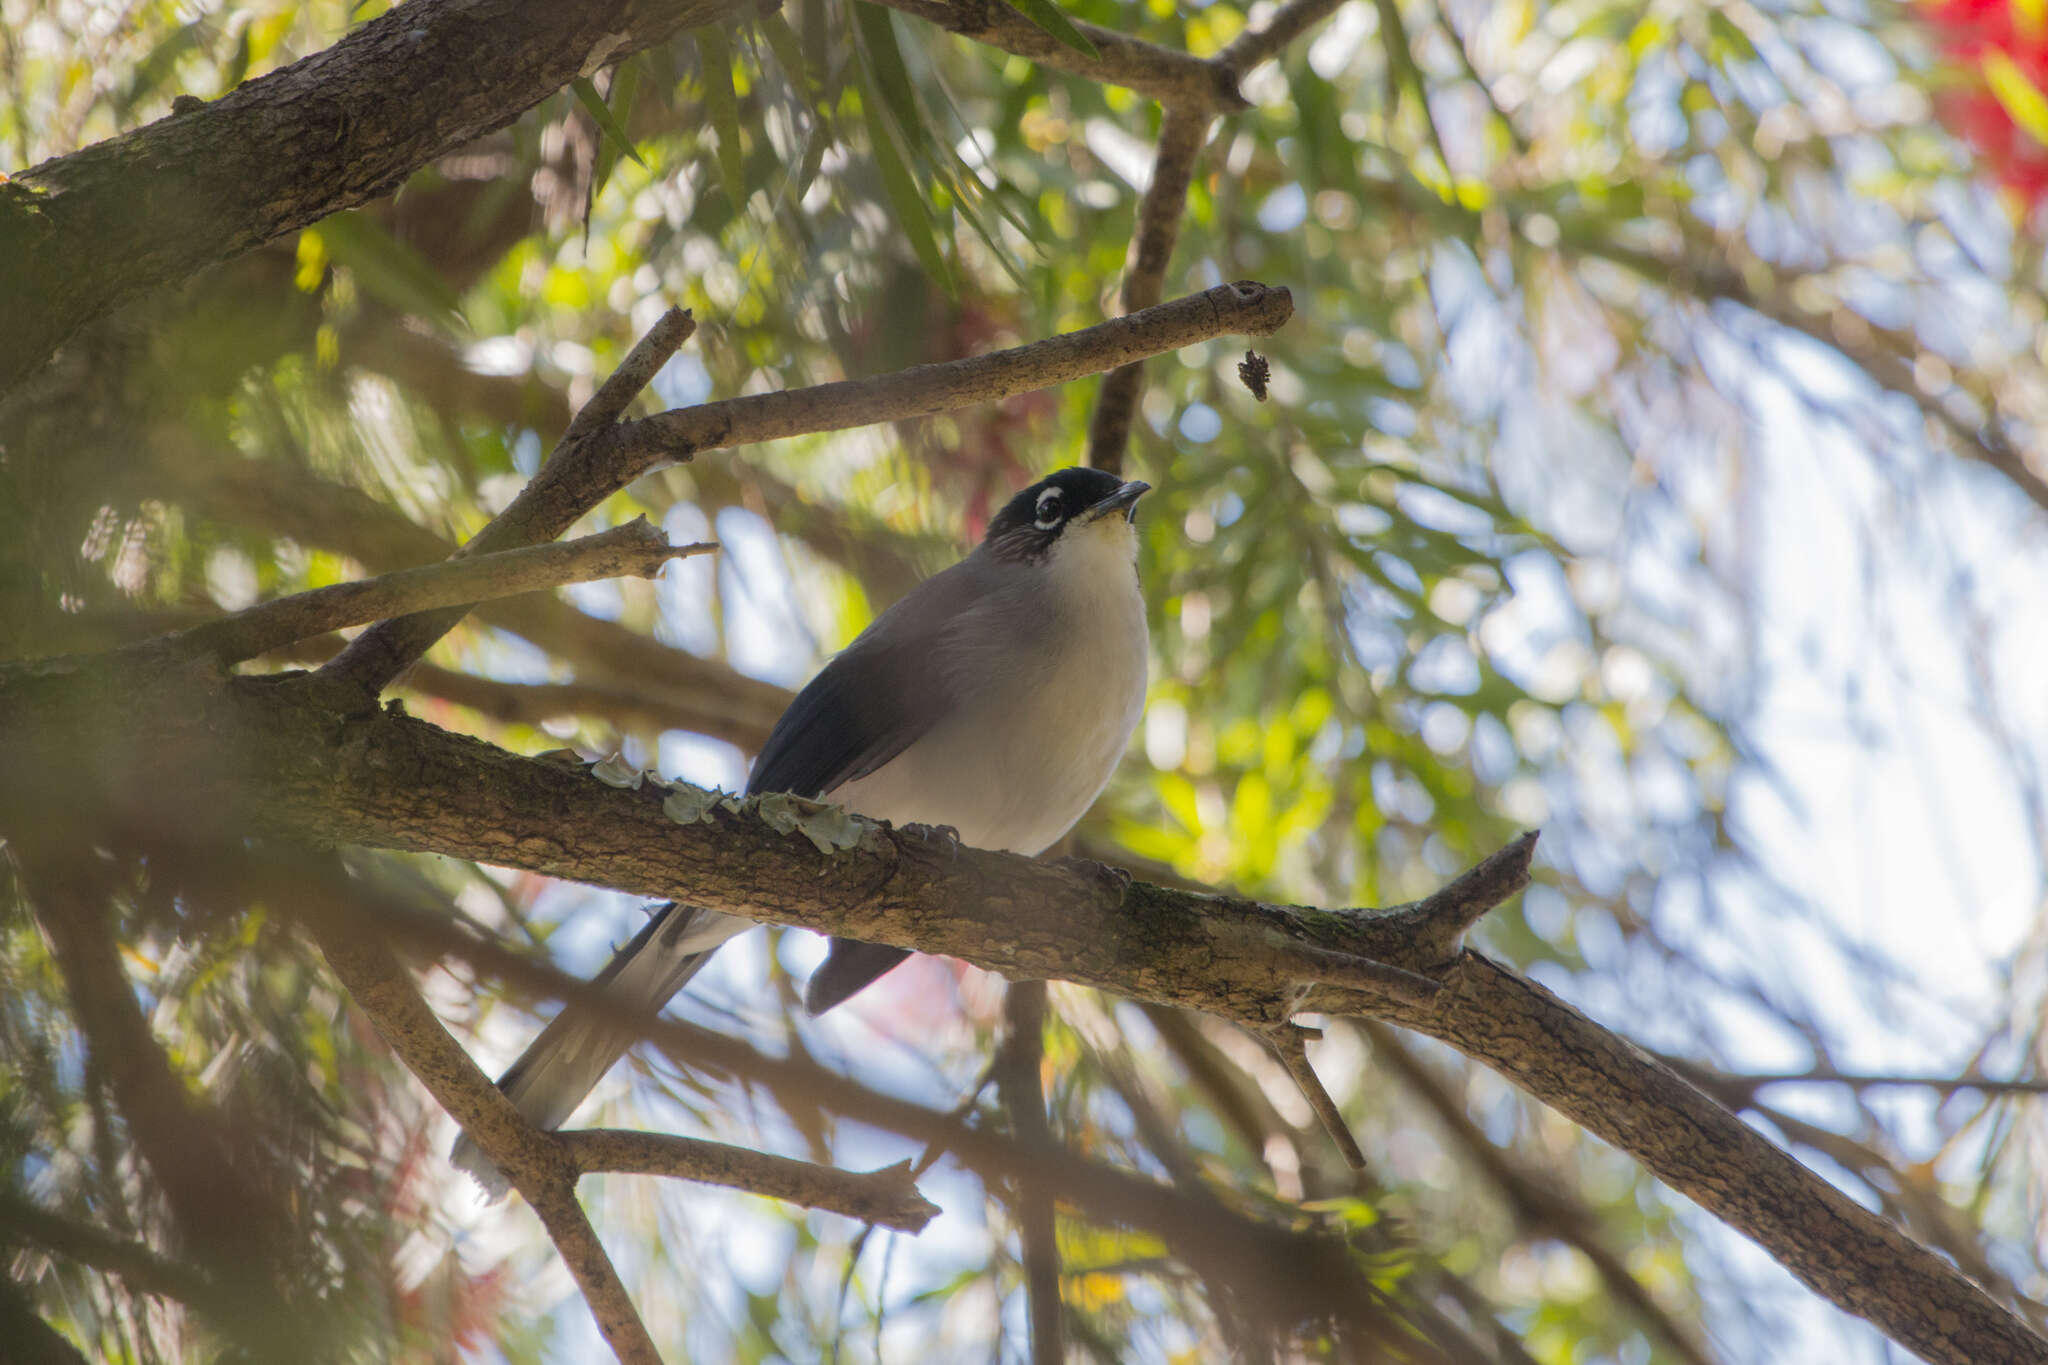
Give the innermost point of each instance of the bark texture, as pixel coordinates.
(346, 125)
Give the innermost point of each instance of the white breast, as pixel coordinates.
(1023, 760)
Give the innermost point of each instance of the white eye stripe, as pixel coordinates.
(1048, 508)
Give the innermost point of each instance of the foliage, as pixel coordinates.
(1503, 549)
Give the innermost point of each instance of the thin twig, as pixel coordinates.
(888, 1196)
(535, 1163)
(1017, 1076)
(638, 548)
(137, 1266)
(1182, 131)
(633, 374)
(1545, 1205)
(571, 483)
(1246, 308)
(1289, 22)
(1161, 73)
(1290, 1044)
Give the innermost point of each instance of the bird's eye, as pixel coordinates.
(1049, 513)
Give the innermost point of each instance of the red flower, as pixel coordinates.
(2001, 104)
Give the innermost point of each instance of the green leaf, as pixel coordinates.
(594, 105)
(789, 55)
(387, 269)
(913, 214)
(889, 76)
(724, 107)
(625, 88)
(1054, 21)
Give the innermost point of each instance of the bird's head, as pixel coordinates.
(1066, 511)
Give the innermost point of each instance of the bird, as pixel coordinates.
(993, 700)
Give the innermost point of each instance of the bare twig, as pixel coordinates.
(888, 1196)
(1290, 1044)
(1246, 308)
(634, 373)
(1182, 131)
(536, 1164)
(638, 548)
(578, 477)
(1017, 1077)
(1289, 22)
(1161, 73)
(1543, 1204)
(1286, 1271)
(1438, 922)
(574, 480)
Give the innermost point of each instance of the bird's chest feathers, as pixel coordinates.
(1090, 684)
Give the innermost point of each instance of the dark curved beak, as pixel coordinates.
(1124, 500)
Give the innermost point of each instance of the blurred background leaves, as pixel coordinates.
(1653, 457)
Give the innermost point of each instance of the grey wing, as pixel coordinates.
(882, 694)
(879, 696)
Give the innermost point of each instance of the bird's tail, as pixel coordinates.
(573, 1052)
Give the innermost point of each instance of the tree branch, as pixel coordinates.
(137, 1266)
(1542, 1202)
(535, 1163)
(1182, 131)
(80, 233)
(1289, 22)
(1018, 1077)
(1161, 73)
(1290, 1044)
(226, 757)
(574, 480)
(888, 1196)
(637, 548)
(583, 473)
(1284, 1273)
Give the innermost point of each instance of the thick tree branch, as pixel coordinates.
(888, 1196)
(638, 548)
(536, 1164)
(1027, 919)
(80, 233)
(222, 758)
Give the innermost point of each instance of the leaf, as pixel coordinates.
(594, 105)
(789, 55)
(724, 107)
(913, 214)
(388, 269)
(1054, 21)
(625, 88)
(889, 76)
